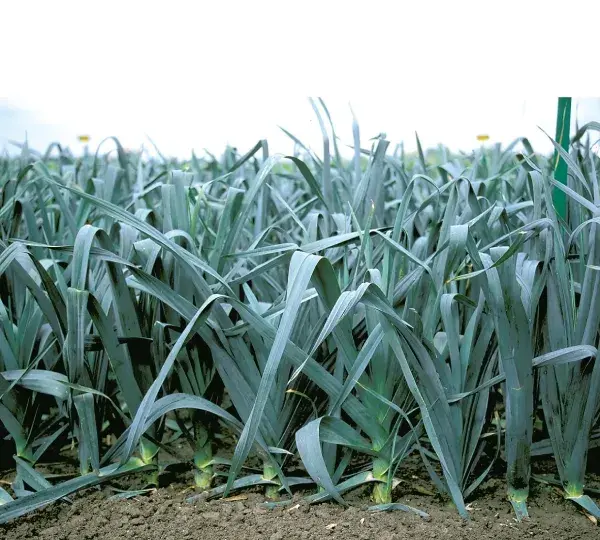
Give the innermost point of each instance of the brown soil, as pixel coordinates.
(166, 515)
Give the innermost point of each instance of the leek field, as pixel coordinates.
(331, 316)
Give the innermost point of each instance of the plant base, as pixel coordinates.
(203, 478)
(382, 494)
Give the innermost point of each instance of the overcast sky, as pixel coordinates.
(179, 125)
(201, 75)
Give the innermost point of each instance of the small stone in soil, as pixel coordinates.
(211, 515)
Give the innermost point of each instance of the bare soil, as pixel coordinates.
(165, 515)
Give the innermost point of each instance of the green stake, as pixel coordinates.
(563, 128)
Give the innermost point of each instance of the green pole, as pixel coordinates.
(563, 129)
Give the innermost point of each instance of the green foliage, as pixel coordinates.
(338, 313)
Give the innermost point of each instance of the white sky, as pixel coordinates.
(203, 74)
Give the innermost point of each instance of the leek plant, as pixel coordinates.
(570, 393)
(334, 314)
